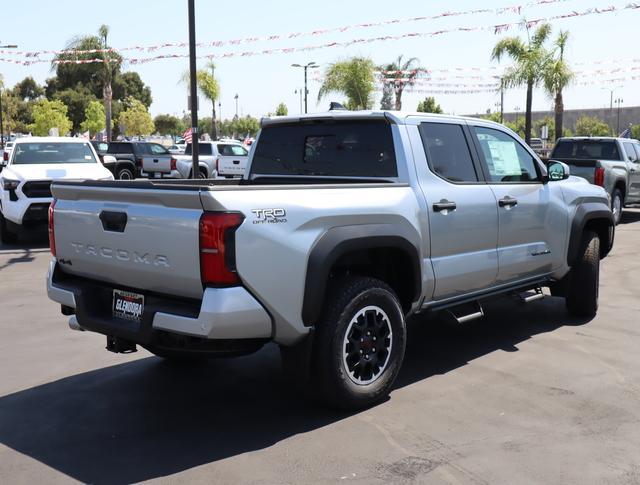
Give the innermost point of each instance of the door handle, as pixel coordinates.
(236, 162)
(444, 205)
(508, 202)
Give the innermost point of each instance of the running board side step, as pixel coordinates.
(529, 296)
(475, 312)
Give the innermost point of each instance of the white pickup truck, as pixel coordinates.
(345, 224)
(26, 176)
(217, 159)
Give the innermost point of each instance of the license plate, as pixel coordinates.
(127, 305)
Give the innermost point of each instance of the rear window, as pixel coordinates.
(586, 150)
(335, 149)
(115, 147)
(203, 149)
(37, 153)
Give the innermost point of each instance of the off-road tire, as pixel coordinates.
(584, 278)
(6, 235)
(333, 354)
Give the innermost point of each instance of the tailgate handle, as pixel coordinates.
(155, 160)
(236, 162)
(113, 221)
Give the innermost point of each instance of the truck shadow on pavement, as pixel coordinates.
(147, 418)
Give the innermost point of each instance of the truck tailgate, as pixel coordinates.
(582, 168)
(156, 163)
(145, 239)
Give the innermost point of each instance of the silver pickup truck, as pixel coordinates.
(612, 163)
(345, 225)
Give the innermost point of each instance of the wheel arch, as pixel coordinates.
(596, 216)
(387, 251)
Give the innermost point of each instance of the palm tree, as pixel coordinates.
(354, 78)
(556, 77)
(401, 78)
(209, 88)
(530, 61)
(107, 92)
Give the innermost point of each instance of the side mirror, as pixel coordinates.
(557, 171)
(108, 159)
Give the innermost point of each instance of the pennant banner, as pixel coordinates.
(514, 9)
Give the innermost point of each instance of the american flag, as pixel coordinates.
(625, 134)
(187, 135)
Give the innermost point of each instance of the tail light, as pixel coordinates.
(172, 163)
(598, 177)
(217, 166)
(139, 162)
(52, 234)
(5, 156)
(217, 248)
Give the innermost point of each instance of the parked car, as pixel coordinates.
(344, 225)
(141, 159)
(612, 163)
(177, 149)
(26, 179)
(8, 146)
(216, 158)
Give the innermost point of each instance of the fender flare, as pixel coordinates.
(585, 213)
(341, 240)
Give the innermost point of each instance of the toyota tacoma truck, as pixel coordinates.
(344, 225)
(612, 163)
(26, 176)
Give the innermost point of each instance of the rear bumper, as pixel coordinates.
(223, 313)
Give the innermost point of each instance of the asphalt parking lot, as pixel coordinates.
(526, 395)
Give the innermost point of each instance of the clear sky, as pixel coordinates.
(262, 82)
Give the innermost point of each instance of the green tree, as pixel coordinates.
(93, 118)
(556, 77)
(387, 97)
(135, 119)
(405, 75)
(635, 132)
(209, 88)
(240, 127)
(204, 125)
(429, 105)
(77, 100)
(354, 78)
(130, 84)
(591, 126)
(530, 62)
(28, 89)
(168, 125)
(50, 114)
(491, 116)
(282, 110)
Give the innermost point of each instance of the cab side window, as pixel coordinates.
(631, 153)
(447, 152)
(506, 159)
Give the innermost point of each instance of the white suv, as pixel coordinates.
(25, 179)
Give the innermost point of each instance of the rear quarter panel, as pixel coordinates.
(272, 255)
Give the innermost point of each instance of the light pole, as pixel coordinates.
(195, 159)
(8, 46)
(236, 98)
(311, 65)
(299, 91)
(619, 101)
(611, 91)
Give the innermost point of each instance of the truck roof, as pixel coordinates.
(595, 138)
(398, 117)
(49, 139)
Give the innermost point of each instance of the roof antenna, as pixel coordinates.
(336, 107)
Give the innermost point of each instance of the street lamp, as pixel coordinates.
(8, 46)
(311, 65)
(236, 98)
(619, 101)
(611, 91)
